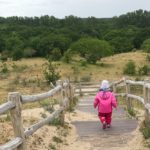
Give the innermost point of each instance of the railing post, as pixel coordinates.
(61, 103)
(80, 89)
(114, 88)
(16, 119)
(127, 98)
(146, 97)
(70, 96)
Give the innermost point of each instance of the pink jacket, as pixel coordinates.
(105, 101)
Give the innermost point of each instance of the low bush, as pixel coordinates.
(130, 68)
(144, 70)
(145, 129)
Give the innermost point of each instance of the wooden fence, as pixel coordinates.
(92, 88)
(14, 104)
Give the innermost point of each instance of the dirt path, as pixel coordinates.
(119, 136)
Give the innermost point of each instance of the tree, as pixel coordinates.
(59, 41)
(121, 40)
(92, 49)
(56, 54)
(13, 42)
(67, 56)
(29, 52)
(15, 45)
(2, 44)
(146, 45)
(17, 54)
(140, 36)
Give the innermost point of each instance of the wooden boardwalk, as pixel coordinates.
(109, 139)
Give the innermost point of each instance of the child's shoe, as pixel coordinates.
(108, 125)
(104, 125)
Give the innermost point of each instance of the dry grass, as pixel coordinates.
(26, 81)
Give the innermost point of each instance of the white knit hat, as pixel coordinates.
(104, 84)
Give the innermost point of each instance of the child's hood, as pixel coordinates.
(104, 95)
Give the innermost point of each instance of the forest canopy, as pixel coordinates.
(41, 36)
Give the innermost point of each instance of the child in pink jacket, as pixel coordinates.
(105, 100)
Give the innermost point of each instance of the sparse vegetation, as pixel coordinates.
(131, 112)
(50, 72)
(145, 129)
(57, 139)
(67, 56)
(130, 68)
(55, 122)
(52, 147)
(144, 70)
(148, 57)
(4, 68)
(146, 45)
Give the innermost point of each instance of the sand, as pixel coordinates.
(62, 138)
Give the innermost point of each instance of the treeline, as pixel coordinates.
(47, 35)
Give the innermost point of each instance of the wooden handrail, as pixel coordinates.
(14, 106)
(6, 106)
(134, 82)
(120, 83)
(14, 143)
(43, 122)
(37, 97)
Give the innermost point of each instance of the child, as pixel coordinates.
(105, 100)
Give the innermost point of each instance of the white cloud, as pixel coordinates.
(62, 8)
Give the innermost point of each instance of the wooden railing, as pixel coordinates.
(14, 106)
(92, 88)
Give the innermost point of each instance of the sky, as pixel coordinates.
(79, 8)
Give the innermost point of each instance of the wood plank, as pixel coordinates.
(140, 99)
(135, 82)
(6, 106)
(14, 143)
(37, 97)
(43, 122)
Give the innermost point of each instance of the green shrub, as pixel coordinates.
(57, 139)
(18, 68)
(56, 54)
(48, 105)
(148, 57)
(51, 146)
(5, 55)
(28, 52)
(146, 45)
(83, 63)
(67, 56)
(131, 112)
(75, 73)
(4, 68)
(145, 129)
(144, 70)
(130, 68)
(73, 104)
(55, 122)
(50, 72)
(17, 54)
